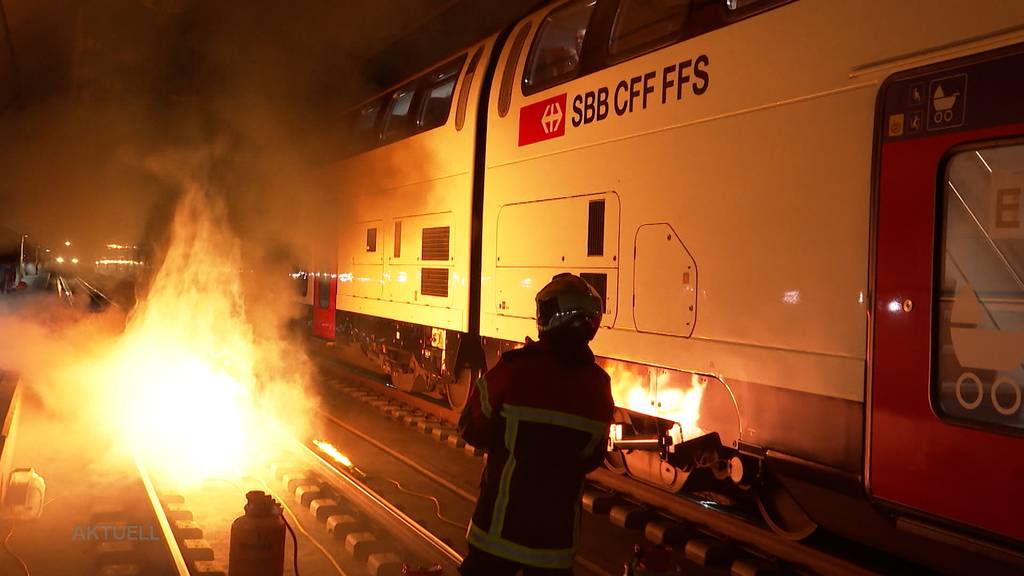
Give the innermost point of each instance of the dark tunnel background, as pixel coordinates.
(99, 97)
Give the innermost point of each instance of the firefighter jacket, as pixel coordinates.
(543, 417)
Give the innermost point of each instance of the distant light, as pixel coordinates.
(118, 262)
(60, 259)
(47, 250)
(74, 260)
(791, 297)
(895, 306)
(67, 242)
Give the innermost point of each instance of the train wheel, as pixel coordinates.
(457, 389)
(782, 513)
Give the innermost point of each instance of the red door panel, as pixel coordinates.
(963, 466)
(325, 290)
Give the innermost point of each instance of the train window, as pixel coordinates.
(396, 122)
(435, 243)
(324, 292)
(398, 239)
(980, 313)
(467, 84)
(364, 125)
(508, 76)
(371, 239)
(595, 228)
(642, 25)
(437, 99)
(555, 55)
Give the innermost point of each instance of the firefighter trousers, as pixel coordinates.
(480, 563)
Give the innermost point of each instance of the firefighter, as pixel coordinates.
(542, 414)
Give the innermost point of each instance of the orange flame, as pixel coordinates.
(330, 450)
(672, 396)
(196, 391)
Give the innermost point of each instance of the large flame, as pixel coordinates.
(673, 396)
(193, 392)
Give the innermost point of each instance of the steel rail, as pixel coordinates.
(400, 457)
(733, 527)
(351, 483)
(165, 526)
(588, 564)
(94, 291)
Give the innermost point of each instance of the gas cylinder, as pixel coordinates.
(257, 538)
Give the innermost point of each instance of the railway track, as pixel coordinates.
(440, 493)
(342, 525)
(705, 537)
(126, 521)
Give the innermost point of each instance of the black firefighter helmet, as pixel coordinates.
(571, 304)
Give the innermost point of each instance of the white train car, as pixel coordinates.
(759, 190)
(406, 201)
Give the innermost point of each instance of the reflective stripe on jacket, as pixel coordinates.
(543, 417)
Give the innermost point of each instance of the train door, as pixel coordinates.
(946, 419)
(325, 290)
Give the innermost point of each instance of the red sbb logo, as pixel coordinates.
(542, 120)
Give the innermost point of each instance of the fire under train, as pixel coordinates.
(805, 218)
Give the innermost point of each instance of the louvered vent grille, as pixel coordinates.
(434, 282)
(435, 243)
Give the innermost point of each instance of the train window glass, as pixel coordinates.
(398, 239)
(436, 104)
(509, 75)
(467, 84)
(437, 100)
(980, 317)
(300, 279)
(600, 283)
(324, 292)
(364, 126)
(555, 55)
(435, 244)
(398, 113)
(642, 25)
(595, 228)
(371, 239)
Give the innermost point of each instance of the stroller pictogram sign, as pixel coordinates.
(947, 102)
